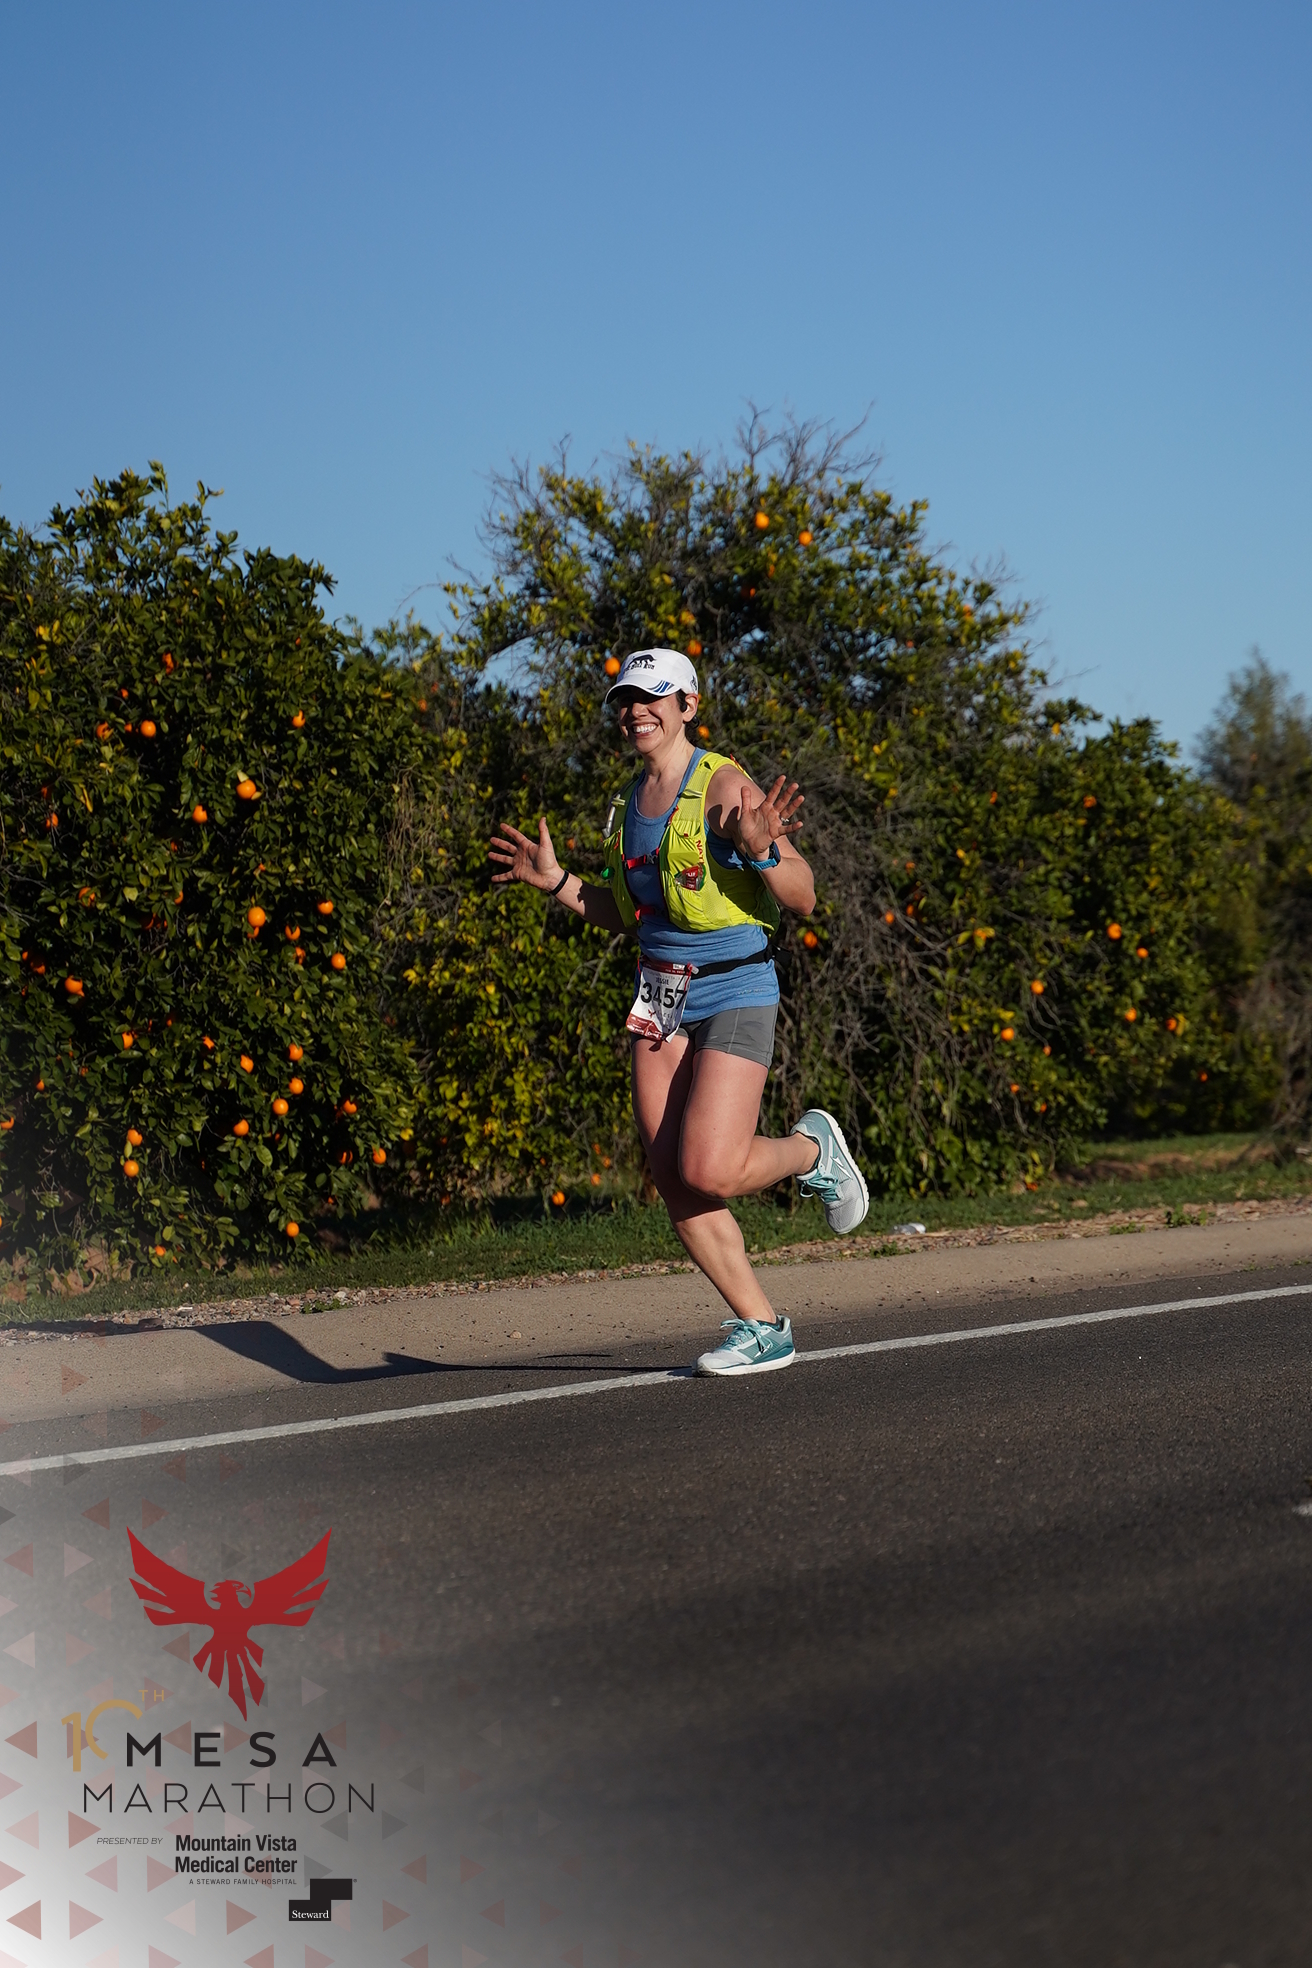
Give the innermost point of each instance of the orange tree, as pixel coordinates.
(514, 1012)
(195, 774)
(1018, 929)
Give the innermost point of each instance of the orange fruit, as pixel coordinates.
(199, 815)
(703, 731)
(349, 1107)
(337, 960)
(993, 799)
(1202, 1076)
(806, 536)
(128, 1041)
(810, 939)
(241, 1128)
(380, 1156)
(102, 731)
(558, 1197)
(135, 1137)
(168, 660)
(296, 1086)
(345, 1157)
(1015, 1086)
(1114, 931)
(612, 666)
(53, 821)
(246, 1063)
(256, 918)
(762, 521)
(1037, 987)
(147, 727)
(159, 1250)
(6, 1124)
(208, 1044)
(298, 719)
(292, 933)
(86, 896)
(280, 1106)
(324, 908)
(1089, 800)
(1008, 1033)
(131, 1169)
(694, 648)
(596, 1182)
(1047, 1052)
(1141, 952)
(889, 916)
(293, 1229)
(73, 985)
(1170, 1024)
(295, 1052)
(247, 789)
(1131, 1015)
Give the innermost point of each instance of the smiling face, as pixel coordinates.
(652, 724)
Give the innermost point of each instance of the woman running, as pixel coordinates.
(700, 863)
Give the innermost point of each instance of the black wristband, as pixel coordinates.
(559, 885)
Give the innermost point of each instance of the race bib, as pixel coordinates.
(662, 994)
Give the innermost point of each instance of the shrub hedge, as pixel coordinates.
(256, 970)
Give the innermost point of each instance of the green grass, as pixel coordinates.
(514, 1239)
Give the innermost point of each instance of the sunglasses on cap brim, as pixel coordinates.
(629, 695)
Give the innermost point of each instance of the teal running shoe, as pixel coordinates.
(835, 1179)
(751, 1346)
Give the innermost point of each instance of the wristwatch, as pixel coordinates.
(771, 860)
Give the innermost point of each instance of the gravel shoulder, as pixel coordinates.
(610, 1319)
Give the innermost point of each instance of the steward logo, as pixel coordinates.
(319, 1906)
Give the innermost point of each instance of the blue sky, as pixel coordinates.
(345, 261)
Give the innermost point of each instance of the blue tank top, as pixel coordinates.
(753, 984)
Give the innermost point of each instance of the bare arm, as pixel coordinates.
(520, 859)
(751, 820)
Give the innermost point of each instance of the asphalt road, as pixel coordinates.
(988, 1653)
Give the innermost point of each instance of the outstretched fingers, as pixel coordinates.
(519, 857)
(781, 804)
(512, 834)
(510, 852)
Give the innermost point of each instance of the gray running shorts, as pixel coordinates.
(744, 1032)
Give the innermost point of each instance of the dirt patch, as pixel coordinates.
(276, 1305)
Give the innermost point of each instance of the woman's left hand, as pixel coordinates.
(763, 818)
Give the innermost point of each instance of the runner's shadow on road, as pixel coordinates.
(268, 1344)
(271, 1345)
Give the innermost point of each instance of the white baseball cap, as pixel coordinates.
(656, 672)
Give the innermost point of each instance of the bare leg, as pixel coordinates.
(663, 1081)
(720, 1152)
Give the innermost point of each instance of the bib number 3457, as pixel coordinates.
(657, 1009)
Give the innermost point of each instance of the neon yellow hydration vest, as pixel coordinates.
(698, 892)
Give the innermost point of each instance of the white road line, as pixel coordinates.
(1051, 1325)
(132, 1451)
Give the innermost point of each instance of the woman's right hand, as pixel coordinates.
(520, 859)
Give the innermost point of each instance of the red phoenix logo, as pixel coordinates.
(170, 1598)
